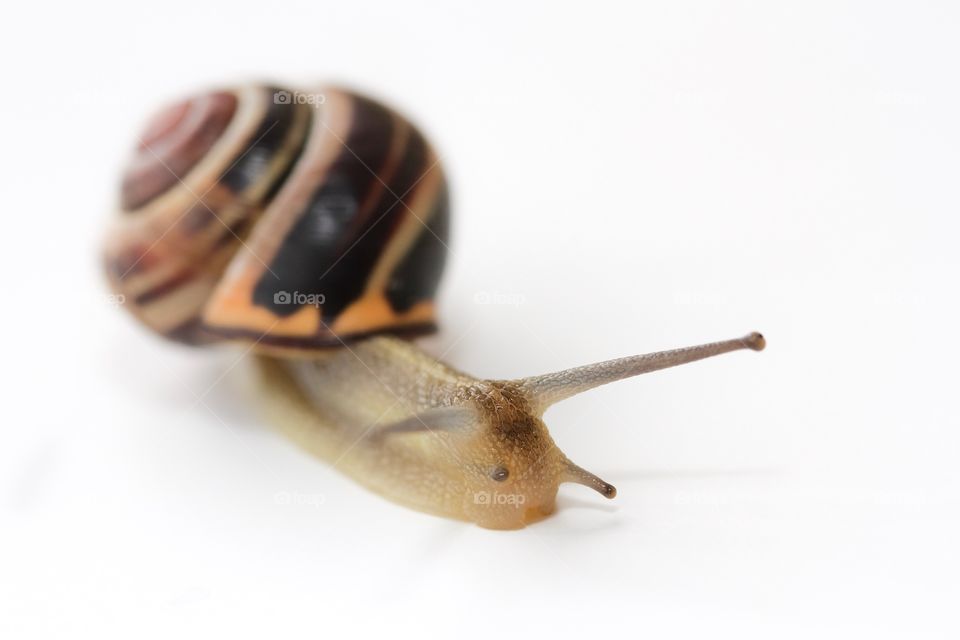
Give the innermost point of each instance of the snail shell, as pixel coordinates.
(254, 215)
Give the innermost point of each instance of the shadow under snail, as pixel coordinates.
(314, 231)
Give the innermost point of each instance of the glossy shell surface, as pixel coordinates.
(289, 220)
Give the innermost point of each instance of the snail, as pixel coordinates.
(312, 228)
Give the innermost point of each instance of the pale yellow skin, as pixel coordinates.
(424, 435)
(336, 405)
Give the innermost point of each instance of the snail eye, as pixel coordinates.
(500, 474)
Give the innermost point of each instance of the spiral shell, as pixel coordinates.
(292, 221)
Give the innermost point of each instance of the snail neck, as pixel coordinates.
(339, 406)
(376, 380)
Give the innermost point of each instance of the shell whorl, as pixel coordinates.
(291, 224)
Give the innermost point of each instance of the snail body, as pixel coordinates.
(314, 232)
(417, 432)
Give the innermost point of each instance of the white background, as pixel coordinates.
(638, 177)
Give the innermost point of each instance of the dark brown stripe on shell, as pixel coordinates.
(165, 288)
(192, 332)
(271, 137)
(173, 145)
(276, 134)
(417, 276)
(232, 204)
(333, 221)
(318, 343)
(230, 235)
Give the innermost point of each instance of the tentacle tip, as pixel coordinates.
(608, 491)
(755, 341)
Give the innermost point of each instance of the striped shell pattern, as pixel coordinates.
(292, 221)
